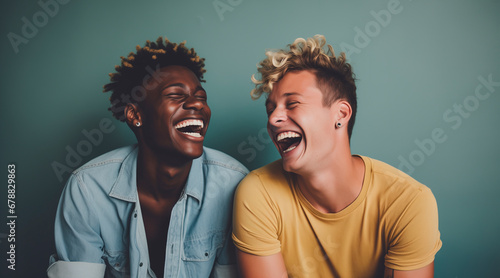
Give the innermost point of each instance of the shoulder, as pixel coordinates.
(392, 179)
(104, 170)
(397, 191)
(114, 157)
(270, 180)
(408, 215)
(272, 171)
(218, 159)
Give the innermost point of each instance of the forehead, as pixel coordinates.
(174, 74)
(297, 83)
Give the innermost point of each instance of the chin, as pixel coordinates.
(193, 152)
(287, 166)
(298, 165)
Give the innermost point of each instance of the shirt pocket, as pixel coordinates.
(203, 248)
(117, 263)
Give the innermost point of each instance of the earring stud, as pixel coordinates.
(138, 124)
(339, 124)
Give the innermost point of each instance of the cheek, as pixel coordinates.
(208, 112)
(317, 125)
(269, 131)
(168, 112)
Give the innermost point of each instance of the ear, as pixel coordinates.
(342, 113)
(133, 115)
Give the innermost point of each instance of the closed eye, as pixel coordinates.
(175, 95)
(269, 110)
(270, 106)
(201, 96)
(292, 104)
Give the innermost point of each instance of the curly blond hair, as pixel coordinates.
(333, 74)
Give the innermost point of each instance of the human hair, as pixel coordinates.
(334, 75)
(134, 68)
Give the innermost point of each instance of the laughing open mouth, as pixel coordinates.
(288, 140)
(190, 127)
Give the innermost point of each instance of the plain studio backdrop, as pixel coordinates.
(428, 92)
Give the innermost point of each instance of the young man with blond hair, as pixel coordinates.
(320, 211)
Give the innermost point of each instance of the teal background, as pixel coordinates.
(423, 62)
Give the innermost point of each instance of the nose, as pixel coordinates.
(277, 117)
(193, 102)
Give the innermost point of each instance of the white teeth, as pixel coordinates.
(194, 134)
(289, 149)
(193, 122)
(189, 123)
(287, 134)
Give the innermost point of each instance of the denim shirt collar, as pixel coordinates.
(125, 187)
(195, 184)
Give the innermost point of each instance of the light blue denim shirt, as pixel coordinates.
(99, 229)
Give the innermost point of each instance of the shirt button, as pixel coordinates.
(140, 264)
(135, 215)
(206, 254)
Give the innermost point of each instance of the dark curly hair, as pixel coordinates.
(131, 73)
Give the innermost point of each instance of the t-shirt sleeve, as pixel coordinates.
(255, 218)
(77, 232)
(415, 239)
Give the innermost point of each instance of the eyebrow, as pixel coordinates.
(182, 85)
(175, 85)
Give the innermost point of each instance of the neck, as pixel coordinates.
(335, 185)
(160, 176)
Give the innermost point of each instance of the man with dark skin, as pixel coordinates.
(165, 153)
(161, 208)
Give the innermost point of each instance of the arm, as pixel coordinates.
(416, 240)
(255, 231)
(252, 266)
(62, 269)
(424, 272)
(78, 243)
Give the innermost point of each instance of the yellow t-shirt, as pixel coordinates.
(393, 221)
